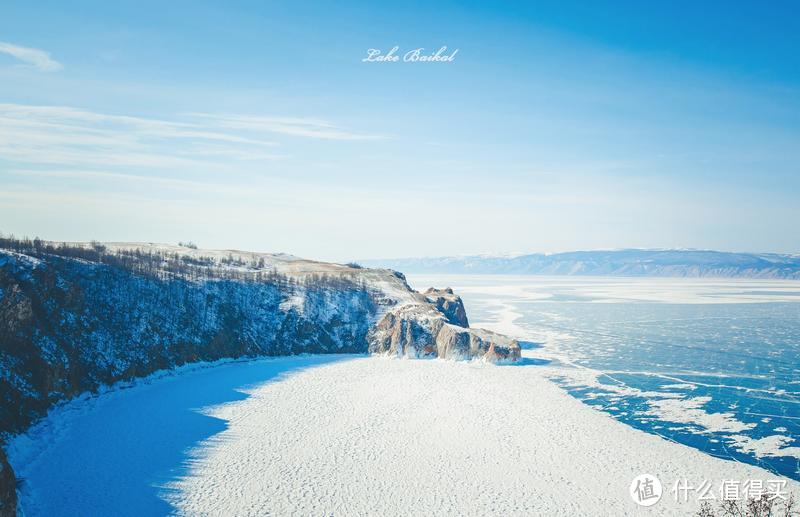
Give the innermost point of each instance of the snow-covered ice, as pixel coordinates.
(349, 435)
(716, 356)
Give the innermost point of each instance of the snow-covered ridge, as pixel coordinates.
(74, 318)
(282, 263)
(626, 262)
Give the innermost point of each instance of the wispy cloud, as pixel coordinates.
(58, 135)
(136, 180)
(293, 126)
(73, 137)
(32, 56)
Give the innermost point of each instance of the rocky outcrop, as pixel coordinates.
(449, 304)
(422, 330)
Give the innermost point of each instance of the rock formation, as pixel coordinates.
(450, 304)
(437, 330)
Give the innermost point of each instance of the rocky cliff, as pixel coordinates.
(449, 304)
(77, 317)
(422, 330)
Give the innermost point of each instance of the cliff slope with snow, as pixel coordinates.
(77, 317)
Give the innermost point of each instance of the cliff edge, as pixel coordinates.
(77, 316)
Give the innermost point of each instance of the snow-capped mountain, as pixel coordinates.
(77, 317)
(629, 262)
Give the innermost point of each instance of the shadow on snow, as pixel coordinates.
(118, 456)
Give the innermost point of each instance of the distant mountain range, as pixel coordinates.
(628, 262)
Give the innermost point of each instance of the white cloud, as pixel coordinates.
(33, 56)
(141, 180)
(293, 126)
(72, 137)
(58, 135)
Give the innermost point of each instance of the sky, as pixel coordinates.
(257, 125)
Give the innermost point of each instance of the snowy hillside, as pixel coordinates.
(76, 317)
(631, 262)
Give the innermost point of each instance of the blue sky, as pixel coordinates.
(255, 125)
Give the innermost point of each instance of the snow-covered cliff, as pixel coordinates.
(80, 316)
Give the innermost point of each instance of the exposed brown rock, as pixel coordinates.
(449, 304)
(422, 330)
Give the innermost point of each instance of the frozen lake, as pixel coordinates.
(711, 363)
(356, 435)
(348, 436)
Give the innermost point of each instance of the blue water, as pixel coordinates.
(672, 337)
